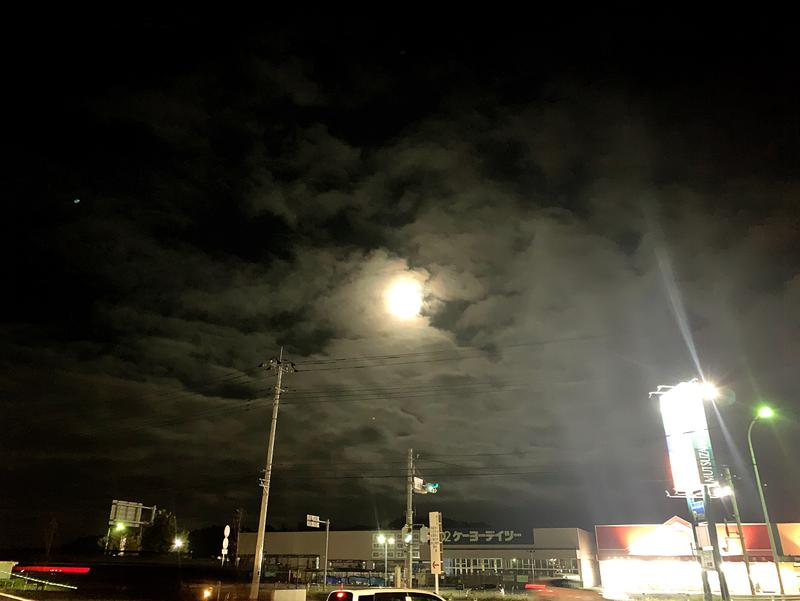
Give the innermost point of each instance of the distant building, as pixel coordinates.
(470, 557)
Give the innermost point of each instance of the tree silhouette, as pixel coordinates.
(159, 536)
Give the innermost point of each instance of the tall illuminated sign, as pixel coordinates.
(688, 442)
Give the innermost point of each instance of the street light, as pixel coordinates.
(382, 540)
(177, 544)
(764, 412)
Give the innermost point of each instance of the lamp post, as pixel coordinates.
(764, 413)
(382, 540)
(731, 492)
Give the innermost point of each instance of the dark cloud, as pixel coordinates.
(266, 196)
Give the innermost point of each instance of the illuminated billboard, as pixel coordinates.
(688, 442)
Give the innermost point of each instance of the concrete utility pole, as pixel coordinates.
(280, 367)
(327, 534)
(738, 518)
(409, 529)
(238, 516)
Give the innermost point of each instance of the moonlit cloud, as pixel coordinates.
(236, 207)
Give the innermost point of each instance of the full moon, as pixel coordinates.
(404, 299)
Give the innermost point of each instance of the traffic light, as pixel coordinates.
(424, 534)
(432, 487)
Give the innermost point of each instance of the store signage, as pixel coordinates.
(435, 540)
(483, 536)
(688, 442)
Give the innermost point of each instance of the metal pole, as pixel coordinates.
(775, 556)
(327, 532)
(738, 518)
(385, 563)
(712, 535)
(436, 584)
(703, 573)
(410, 518)
(258, 559)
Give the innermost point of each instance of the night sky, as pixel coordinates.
(591, 211)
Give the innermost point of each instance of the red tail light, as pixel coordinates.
(53, 569)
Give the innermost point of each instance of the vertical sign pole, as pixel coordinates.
(435, 541)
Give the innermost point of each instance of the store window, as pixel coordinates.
(461, 565)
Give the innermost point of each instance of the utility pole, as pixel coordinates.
(49, 536)
(238, 516)
(737, 517)
(409, 529)
(280, 367)
(327, 534)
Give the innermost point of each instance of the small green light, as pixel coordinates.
(120, 526)
(765, 412)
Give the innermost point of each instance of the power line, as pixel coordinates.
(436, 351)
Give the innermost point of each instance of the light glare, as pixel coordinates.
(723, 491)
(404, 299)
(765, 412)
(710, 392)
(381, 539)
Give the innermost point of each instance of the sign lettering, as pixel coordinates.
(483, 536)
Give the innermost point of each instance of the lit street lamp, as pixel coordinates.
(764, 412)
(382, 540)
(177, 544)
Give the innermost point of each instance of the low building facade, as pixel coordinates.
(471, 557)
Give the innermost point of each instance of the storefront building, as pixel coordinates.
(661, 558)
(470, 557)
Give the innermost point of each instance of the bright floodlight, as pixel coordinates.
(391, 540)
(381, 539)
(765, 412)
(408, 538)
(120, 526)
(178, 543)
(724, 491)
(404, 299)
(710, 392)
